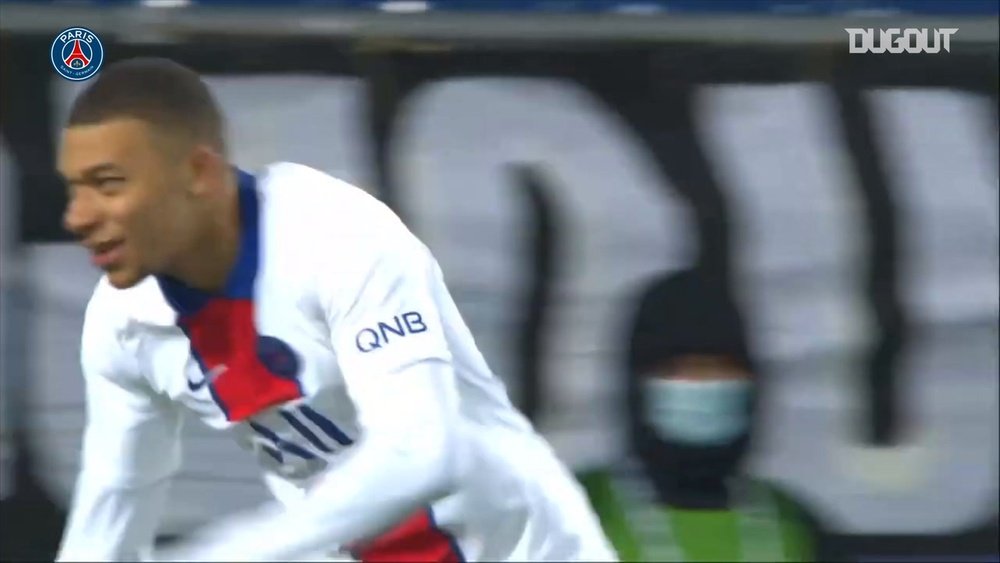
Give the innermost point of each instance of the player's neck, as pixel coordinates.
(214, 251)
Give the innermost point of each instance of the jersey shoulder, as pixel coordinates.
(319, 203)
(110, 317)
(347, 236)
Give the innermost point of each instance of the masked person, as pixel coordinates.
(692, 395)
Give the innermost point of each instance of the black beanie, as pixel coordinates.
(686, 313)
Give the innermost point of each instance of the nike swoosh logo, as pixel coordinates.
(212, 374)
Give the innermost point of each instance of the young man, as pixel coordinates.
(298, 314)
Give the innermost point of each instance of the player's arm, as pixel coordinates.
(406, 397)
(130, 449)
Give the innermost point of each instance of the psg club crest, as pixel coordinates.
(278, 357)
(77, 54)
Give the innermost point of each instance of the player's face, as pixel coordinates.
(127, 199)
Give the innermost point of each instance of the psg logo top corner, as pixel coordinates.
(76, 53)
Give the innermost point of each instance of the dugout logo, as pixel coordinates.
(895, 40)
(76, 54)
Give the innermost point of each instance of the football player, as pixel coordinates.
(300, 315)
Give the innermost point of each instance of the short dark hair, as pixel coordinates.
(159, 91)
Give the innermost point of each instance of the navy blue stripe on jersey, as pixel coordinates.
(306, 432)
(282, 444)
(274, 453)
(241, 279)
(326, 425)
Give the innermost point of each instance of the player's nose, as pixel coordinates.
(81, 216)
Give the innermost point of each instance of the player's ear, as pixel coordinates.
(207, 168)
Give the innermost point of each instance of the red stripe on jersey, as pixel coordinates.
(223, 335)
(417, 539)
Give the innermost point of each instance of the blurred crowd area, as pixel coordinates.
(577, 167)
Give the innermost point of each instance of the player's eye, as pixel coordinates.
(109, 183)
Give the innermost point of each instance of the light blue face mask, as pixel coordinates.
(707, 413)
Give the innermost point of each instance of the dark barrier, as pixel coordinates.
(849, 199)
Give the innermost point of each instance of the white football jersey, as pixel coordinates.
(336, 357)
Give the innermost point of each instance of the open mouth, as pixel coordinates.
(107, 254)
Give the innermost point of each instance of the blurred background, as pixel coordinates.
(559, 157)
